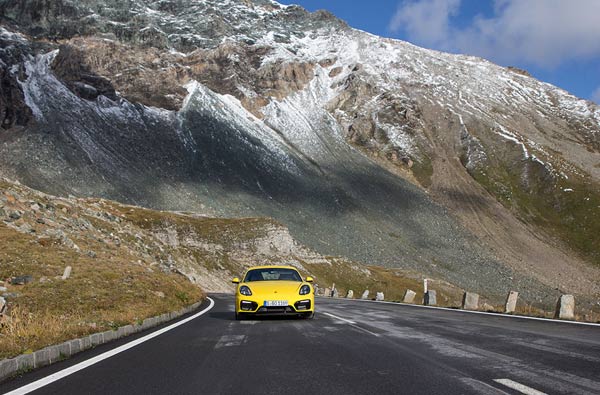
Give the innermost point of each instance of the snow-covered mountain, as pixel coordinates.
(365, 147)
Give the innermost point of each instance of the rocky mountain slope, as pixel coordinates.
(365, 147)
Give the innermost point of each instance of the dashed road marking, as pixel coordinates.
(522, 388)
(340, 318)
(351, 323)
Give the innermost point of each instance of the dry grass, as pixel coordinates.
(102, 293)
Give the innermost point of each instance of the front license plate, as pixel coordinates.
(276, 303)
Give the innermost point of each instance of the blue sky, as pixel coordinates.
(557, 41)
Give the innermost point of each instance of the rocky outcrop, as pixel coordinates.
(13, 109)
(91, 67)
(69, 65)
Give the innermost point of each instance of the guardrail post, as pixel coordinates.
(511, 302)
(430, 298)
(409, 296)
(565, 307)
(470, 301)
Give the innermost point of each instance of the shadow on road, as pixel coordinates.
(230, 316)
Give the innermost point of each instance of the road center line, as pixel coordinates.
(98, 358)
(519, 387)
(340, 318)
(351, 323)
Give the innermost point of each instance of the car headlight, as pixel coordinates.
(305, 289)
(245, 290)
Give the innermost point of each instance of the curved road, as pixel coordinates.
(350, 347)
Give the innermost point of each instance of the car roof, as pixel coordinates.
(272, 267)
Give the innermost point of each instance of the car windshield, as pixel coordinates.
(270, 274)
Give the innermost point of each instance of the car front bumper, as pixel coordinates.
(250, 305)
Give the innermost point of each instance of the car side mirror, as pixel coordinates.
(235, 280)
(309, 279)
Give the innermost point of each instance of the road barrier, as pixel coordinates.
(430, 298)
(511, 302)
(470, 301)
(565, 307)
(409, 296)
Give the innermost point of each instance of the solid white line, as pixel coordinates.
(82, 365)
(340, 318)
(500, 315)
(519, 387)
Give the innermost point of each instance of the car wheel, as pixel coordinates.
(309, 316)
(239, 316)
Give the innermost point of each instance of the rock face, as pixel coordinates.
(14, 112)
(252, 108)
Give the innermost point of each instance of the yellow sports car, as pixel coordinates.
(274, 290)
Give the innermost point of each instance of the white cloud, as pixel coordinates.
(545, 33)
(426, 20)
(596, 95)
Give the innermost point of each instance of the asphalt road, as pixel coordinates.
(350, 347)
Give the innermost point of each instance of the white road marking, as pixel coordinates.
(230, 341)
(519, 387)
(351, 323)
(98, 358)
(500, 315)
(481, 387)
(340, 318)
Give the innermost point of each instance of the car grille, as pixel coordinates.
(275, 310)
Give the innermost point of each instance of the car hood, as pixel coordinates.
(274, 288)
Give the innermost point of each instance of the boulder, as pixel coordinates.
(335, 293)
(379, 296)
(511, 302)
(470, 301)
(13, 214)
(327, 292)
(409, 296)
(21, 280)
(350, 294)
(365, 295)
(565, 307)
